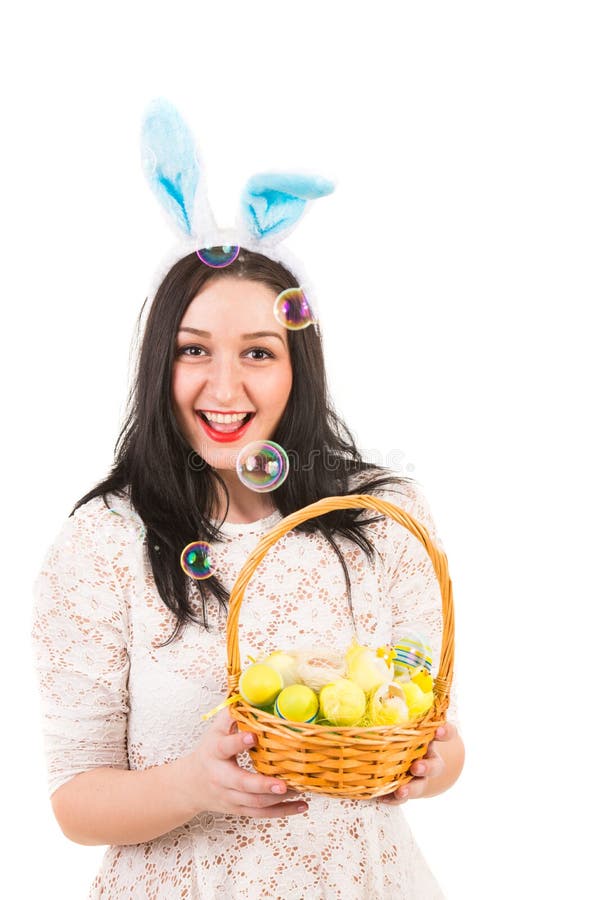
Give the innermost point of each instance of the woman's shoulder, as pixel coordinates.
(88, 563)
(112, 509)
(387, 485)
(102, 524)
(406, 493)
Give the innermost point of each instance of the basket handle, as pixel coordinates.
(442, 683)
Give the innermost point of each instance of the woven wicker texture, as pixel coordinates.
(341, 762)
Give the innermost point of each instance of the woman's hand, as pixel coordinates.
(214, 782)
(436, 771)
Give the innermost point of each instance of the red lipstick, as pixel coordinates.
(220, 436)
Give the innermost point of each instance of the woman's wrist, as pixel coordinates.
(178, 777)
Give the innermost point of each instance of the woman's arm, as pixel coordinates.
(117, 806)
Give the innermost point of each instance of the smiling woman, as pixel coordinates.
(131, 650)
(199, 357)
(135, 649)
(227, 389)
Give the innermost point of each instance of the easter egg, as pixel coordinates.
(298, 703)
(260, 684)
(412, 652)
(342, 702)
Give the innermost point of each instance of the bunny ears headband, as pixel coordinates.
(271, 203)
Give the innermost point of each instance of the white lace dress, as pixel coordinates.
(112, 697)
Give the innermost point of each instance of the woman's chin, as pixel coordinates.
(220, 460)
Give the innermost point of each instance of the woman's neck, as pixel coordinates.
(244, 505)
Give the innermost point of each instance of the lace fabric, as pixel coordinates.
(111, 696)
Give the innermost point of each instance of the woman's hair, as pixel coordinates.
(174, 491)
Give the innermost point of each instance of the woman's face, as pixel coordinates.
(232, 373)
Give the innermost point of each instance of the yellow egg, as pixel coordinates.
(260, 684)
(342, 702)
(298, 703)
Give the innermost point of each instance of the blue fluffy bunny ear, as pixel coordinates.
(273, 203)
(170, 164)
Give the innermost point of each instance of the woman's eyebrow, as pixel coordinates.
(245, 337)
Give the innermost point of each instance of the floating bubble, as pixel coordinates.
(196, 560)
(218, 257)
(292, 310)
(412, 652)
(262, 466)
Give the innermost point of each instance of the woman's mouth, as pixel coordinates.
(224, 428)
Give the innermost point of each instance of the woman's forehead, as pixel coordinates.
(233, 304)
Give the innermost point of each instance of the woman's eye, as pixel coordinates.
(190, 351)
(265, 354)
(195, 352)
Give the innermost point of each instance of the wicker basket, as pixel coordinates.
(341, 762)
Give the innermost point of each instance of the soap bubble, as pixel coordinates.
(292, 310)
(196, 560)
(262, 466)
(218, 257)
(412, 652)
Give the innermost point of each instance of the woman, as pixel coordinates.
(131, 652)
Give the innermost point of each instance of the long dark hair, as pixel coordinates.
(173, 490)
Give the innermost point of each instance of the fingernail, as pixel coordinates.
(419, 769)
(278, 788)
(302, 807)
(440, 732)
(248, 739)
(404, 793)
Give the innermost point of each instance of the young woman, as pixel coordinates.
(131, 651)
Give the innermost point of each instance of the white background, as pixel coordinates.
(458, 273)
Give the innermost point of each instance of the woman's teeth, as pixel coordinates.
(226, 423)
(225, 418)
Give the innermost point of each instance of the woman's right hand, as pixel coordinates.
(211, 777)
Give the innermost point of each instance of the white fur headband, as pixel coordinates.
(271, 204)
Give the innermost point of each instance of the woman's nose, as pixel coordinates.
(225, 382)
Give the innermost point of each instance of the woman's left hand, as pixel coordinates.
(430, 766)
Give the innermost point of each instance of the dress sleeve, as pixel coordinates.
(80, 650)
(412, 584)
